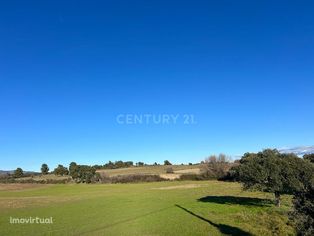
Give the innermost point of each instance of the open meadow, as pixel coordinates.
(158, 208)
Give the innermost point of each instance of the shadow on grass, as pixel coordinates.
(247, 201)
(224, 229)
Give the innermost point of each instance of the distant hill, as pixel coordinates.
(4, 172)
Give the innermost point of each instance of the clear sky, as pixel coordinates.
(72, 71)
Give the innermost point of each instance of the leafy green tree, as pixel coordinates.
(86, 173)
(73, 170)
(140, 163)
(18, 173)
(61, 170)
(44, 169)
(309, 157)
(83, 173)
(303, 202)
(303, 213)
(271, 171)
(167, 163)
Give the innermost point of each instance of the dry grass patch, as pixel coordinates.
(185, 186)
(156, 170)
(189, 171)
(170, 176)
(22, 202)
(18, 187)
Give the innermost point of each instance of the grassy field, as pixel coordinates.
(161, 208)
(156, 170)
(160, 170)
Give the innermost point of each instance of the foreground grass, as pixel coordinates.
(164, 208)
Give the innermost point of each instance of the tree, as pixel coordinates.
(82, 173)
(85, 173)
(309, 157)
(211, 159)
(303, 213)
(73, 170)
(61, 170)
(44, 169)
(167, 163)
(18, 173)
(216, 167)
(271, 171)
(303, 204)
(222, 158)
(140, 163)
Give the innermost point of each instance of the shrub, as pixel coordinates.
(309, 157)
(196, 177)
(135, 178)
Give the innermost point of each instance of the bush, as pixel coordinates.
(231, 175)
(196, 177)
(303, 213)
(135, 178)
(6, 179)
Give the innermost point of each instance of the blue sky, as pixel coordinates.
(243, 69)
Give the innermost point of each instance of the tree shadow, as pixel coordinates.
(247, 201)
(224, 229)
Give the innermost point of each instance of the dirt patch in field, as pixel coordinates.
(170, 176)
(186, 186)
(188, 171)
(16, 187)
(21, 202)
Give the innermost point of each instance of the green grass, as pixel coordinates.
(163, 208)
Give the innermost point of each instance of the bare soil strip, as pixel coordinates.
(186, 186)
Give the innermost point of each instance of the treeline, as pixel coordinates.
(81, 173)
(126, 164)
(117, 165)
